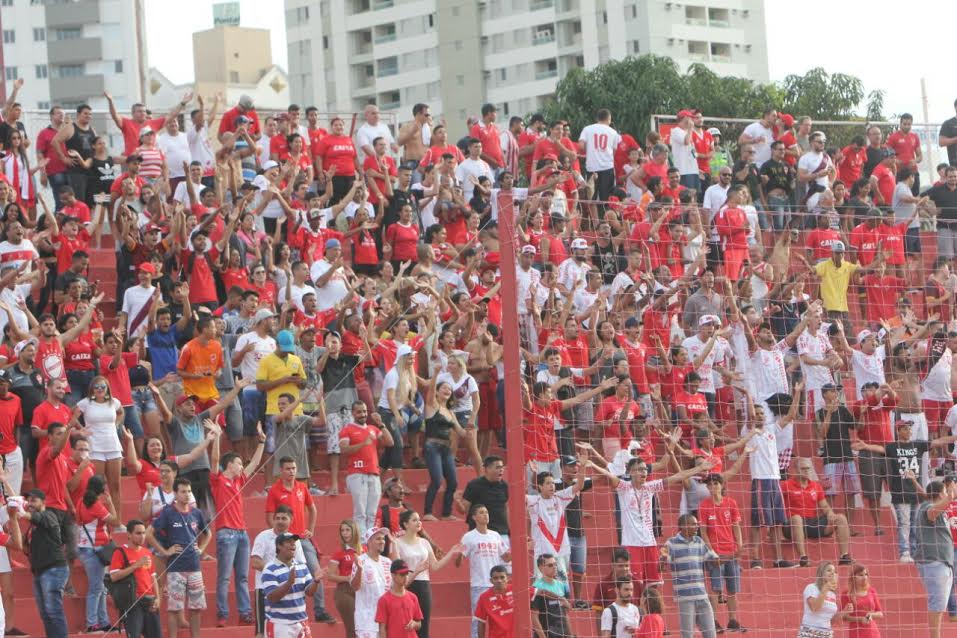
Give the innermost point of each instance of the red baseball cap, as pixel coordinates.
(685, 113)
(787, 120)
(148, 267)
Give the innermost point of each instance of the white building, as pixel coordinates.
(270, 93)
(456, 54)
(69, 53)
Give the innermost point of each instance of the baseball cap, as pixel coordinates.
(685, 113)
(183, 398)
(17, 349)
(568, 459)
(315, 213)
(579, 244)
(148, 267)
(372, 531)
(245, 101)
(706, 319)
(332, 243)
(787, 119)
(37, 493)
(262, 314)
(285, 341)
(286, 536)
(864, 334)
(146, 130)
(153, 228)
(837, 247)
(550, 157)
(270, 164)
(399, 566)
(714, 131)
(528, 249)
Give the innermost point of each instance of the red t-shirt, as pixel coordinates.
(718, 520)
(874, 416)
(338, 151)
(905, 146)
(77, 493)
(67, 246)
(125, 556)
(886, 183)
(364, 249)
(882, 295)
(801, 501)
(55, 165)
(951, 515)
(652, 626)
(227, 494)
(85, 517)
(849, 170)
(790, 141)
(45, 414)
(819, 242)
(435, 153)
(715, 455)
(574, 353)
(202, 285)
(654, 169)
(365, 460)
(703, 144)
(637, 357)
(892, 242)
(625, 146)
(497, 612)
(119, 377)
(538, 424)
(117, 187)
(389, 168)
(869, 602)
(404, 240)
(864, 240)
(732, 226)
(488, 135)
(315, 135)
(131, 132)
(345, 558)
(620, 413)
(79, 210)
(297, 499)
(396, 612)
(228, 123)
(279, 147)
(673, 383)
(79, 352)
(52, 474)
(10, 416)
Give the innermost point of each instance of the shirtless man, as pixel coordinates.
(903, 375)
(484, 353)
(415, 137)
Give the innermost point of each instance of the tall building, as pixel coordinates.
(70, 52)
(456, 54)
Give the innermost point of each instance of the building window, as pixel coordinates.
(431, 20)
(505, 108)
(43, 106)
(117, 66)
(502, 75)
(234, 77)
(9, 36)
(68, 34)
(458, 45)
(11, 73)
(635, 48)
(577, 27)
(70, 70)
(6, 3)
(325, 42)
(42, 71)
(388, 66)
(39, 34)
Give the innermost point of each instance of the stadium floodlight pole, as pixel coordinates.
(515, 472)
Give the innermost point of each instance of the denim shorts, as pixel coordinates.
(143, 402)
(579, 548)
(131, 419)
(938, 579)
(727, 571)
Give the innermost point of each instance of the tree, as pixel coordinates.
(823, 96)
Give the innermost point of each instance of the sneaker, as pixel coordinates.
(756, 564)
(248, 619)
(718, 629)
(14, 631)
(906, 558)
(220, 622)
(581, 604)
(784, 564)
(804, 561)
(93, 629)
(734, 625)
(323, 616)
(317, 491)
(845, 559)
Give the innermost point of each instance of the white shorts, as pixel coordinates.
(366, 634)
(5, 566)
(282, 629)
(334, 424)
(105, 456)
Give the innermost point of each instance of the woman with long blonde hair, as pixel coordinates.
(102, 415)
(820, 603)
(398, 409)
(341, 566)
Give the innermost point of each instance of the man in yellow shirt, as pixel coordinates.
(279, 373)
(835, 275)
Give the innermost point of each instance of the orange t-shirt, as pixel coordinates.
(196, 358)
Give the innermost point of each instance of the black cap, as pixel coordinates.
(247, 186)
(568, 459)
(286, 536)
(37, 493)
(399, 566)
(4, 375)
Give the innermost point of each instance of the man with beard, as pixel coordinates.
(620, 619)
(50, 343)
(358, 440)
(575, 268)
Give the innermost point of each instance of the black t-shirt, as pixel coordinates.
(609, 260)
(752, 180)
(494, 496)
(874, 157)
(573, 512)
(29, 387)
(949, 129)
(905, 456)
(779, 174)
(552, 616)
(837, 443)
(945, 200)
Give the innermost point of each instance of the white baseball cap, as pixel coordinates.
(579, 244)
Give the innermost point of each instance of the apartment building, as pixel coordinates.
(69, 52)
(456, 54)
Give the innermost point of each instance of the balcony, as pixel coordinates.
(72, 14)
(387, 67)
(546, 73)
(79, 88)
(543, 36)
(70, 51)
(536, 5)
(382, 4)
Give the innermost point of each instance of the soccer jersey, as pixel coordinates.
(547, 517)
(636, 512)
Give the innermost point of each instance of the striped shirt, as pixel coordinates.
(687, 558)
(292, 607)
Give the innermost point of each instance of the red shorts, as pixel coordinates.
(734, 258)
(936, 412)
(644, 565)
(489, 416)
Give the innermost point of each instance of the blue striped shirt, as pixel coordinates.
(687, 558)
(292, 606)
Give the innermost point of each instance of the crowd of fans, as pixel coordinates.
(291, 298)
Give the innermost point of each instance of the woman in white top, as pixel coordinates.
(820, 603)
(400, 407)
(465, 405)
(694, 237)
(418, 554)
(102, 415)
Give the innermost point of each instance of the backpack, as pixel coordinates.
(123, 591)
(614, 619)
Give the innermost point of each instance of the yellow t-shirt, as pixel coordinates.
(834, 283)
(272, 368)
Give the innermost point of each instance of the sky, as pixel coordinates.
(855, 37)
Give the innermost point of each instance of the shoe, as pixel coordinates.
(220, 622)
(323, 616)
(248, 619)
(93, 629)
(734, 625)
(14, 631)
(906, 558)
(69, 590)
(783, 564)
(581, 604)
(804, 561)
(718, 629)
(756, 564)
(418, 463)
(845, 559)
(316, 491)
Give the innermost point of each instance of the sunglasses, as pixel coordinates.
(99, 386)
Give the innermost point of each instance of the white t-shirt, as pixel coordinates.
(570, 272)
(475, 168)
(176, 149)
(762, 150)
(820, 619)
(181, 194)
(783, 435)
(550, 513)
(367, 133)
(763, 461)
(462, 390)
(936, 385)
(297, 292)
(695, 346)
(200, 148)
(273, 209)
(628, 620)
(636, 512)
(714, 199)
(261, 348)
(265, 547)
(16, 254)
(682, 152)
(811, 162)
(100, 419)
(12, 297)
(815, 346)
(484, 552)
(600, 141)
(335, 289)
(352, 208)
(391, 382)
(769, 371)
(376, 579)
(518, 195)
(134, 299)
(868, 368)
(524, 280)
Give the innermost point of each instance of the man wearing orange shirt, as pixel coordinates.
(200, 362)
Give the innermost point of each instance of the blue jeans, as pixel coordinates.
(143, 403)
(56, 181)
(439, 461)
(96, 593)
(48, 593)
(780, 208)
(79, 381)
(232, 553)
(952, 599)
(312, 562)
(906, 514)
(254, 407)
